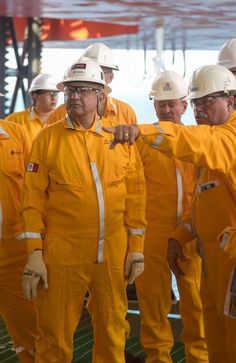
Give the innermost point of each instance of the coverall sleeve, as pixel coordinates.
(135, 202)
(211, 146)
(34, 194)
(183, 232)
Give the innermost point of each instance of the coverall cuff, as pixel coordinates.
(135, 243)
(182, 235)
(34, 243)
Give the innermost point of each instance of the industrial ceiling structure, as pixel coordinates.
(197, 24)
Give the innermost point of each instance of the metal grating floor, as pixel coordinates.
(83, 342)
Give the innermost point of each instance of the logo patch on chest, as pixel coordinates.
(108, 142)
(16, 152)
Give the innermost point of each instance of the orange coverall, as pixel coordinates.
(89, 203)
(29, 120)
(214, 208)
(170, 186)
(18, 313)
(116, 111)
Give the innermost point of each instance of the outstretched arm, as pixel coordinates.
(123, 134)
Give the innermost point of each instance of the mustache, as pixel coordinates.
(74, 104)
(201, 115)
(164, 116)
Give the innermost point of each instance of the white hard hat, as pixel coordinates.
(227, 54)
(45, 82)
(168, 85)
(84, 70)
(100, 54)
(210, 79)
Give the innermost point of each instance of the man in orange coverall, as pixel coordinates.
(44, 93)
(212, 149)
(84, 213)
(18, 313)
(170, 187)
(110, 107)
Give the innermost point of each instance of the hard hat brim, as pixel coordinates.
(61, 85)
(43, 89)
(114, 68)
(167, 98)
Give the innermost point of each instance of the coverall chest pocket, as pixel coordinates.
(159, 183)
(64, 176)
(161, 171)
(158, 178)
(59, 184)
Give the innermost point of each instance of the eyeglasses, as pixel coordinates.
(48, 93)
(207, 100)
(82, 91)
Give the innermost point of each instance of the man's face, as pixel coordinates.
(81, 98)
(213, 109)
(170, 110)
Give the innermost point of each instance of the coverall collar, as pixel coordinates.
(96, 126)
(231, 117)
(110, 106)
(3, 133)
(33, 116)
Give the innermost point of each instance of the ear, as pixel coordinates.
(101, 96)
(34, 97)
(231, 101)
(185, 105)
(109, 77)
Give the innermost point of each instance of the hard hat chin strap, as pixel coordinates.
(98, 111)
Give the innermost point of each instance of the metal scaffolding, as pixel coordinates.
(27, 59)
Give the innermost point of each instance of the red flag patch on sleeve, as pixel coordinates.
(33, 167)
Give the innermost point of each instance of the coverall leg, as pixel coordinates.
(190, 306)
(154, 297)
(219, 329)
(153, 290)
(58, 310)
(108, 318)
(109, 307)
(18, 313)
(59, 307)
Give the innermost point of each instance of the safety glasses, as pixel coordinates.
(48, 93)
(82, 91)
(207, 100)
